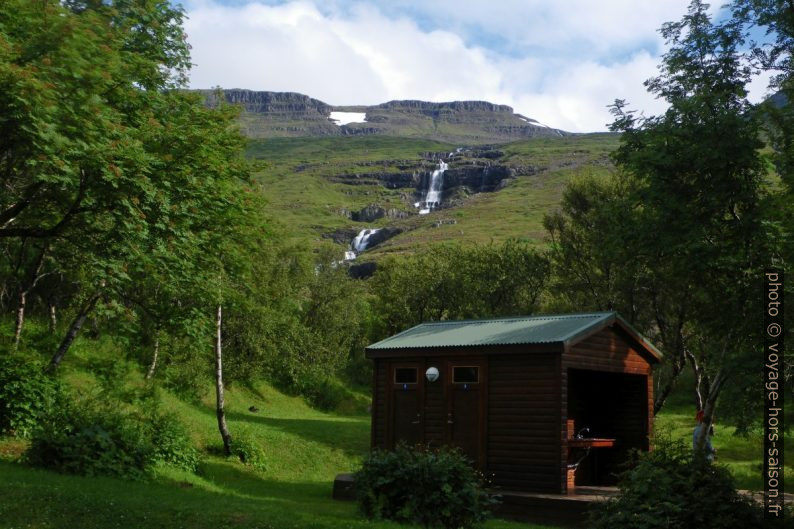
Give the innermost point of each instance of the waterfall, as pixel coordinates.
(361, 241)
(433, 196)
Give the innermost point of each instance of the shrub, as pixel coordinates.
(434, 488)
(91, 437)
(26, 394)
(90, 440)
(182, 371)
(170, 442)
(248, 451)
(321, 392)
(669, 488)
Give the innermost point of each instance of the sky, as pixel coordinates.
(561, 62)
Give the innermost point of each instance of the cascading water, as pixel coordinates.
(360, 243)
(362, 240)
(433, 197)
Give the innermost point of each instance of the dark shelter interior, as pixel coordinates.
(612, 406)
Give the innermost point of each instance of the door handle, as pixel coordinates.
(449, 419)
(418, 419)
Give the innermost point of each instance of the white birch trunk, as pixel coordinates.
(222, 427)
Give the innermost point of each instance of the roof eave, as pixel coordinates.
(616, 319)
(588, 331)
(449, 350)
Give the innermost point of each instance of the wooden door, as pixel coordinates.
(466, 387)
(406, 396)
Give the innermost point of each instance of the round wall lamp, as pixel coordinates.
(431, 374)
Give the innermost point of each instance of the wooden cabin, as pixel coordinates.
(513, 393)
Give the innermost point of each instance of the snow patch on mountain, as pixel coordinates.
(344, 118)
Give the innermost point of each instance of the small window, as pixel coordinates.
(405, 375)
(466, 374)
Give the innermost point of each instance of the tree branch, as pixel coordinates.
(8, 216)
(41, 233)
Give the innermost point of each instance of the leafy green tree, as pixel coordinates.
(591, 247)
(81, 82)
(452, 282)
(106, 161)
(701, 192)
(602, 262)
(334, 314)
(774, 52)
(678, 239)
(24, 267)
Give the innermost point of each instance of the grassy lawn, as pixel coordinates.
(742, 455)
(304, 449)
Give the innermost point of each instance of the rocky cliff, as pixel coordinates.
(277, 103)
(436, 108)
(278, 114)
(475, 170)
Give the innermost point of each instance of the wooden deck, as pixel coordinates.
(560, 510)
(553, 509)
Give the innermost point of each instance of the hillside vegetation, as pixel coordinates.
(314, 184)
(302, 449)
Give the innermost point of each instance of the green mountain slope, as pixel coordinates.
(326, 180)
(327, 189)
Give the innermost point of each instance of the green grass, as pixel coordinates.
(741, 454)
(304, 449)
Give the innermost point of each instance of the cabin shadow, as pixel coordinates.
(248, 483)
(348, 436)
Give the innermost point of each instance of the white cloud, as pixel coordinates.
(285, 48)
(586, 53)
(603, 26)
(575, 97)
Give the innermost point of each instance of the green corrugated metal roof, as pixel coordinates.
(503, 331)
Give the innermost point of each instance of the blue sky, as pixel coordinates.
(560, 62)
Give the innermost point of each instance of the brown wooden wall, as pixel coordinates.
(435, 408)
(523, 416)
(379, 411)
(607, 350)
(528, 400)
